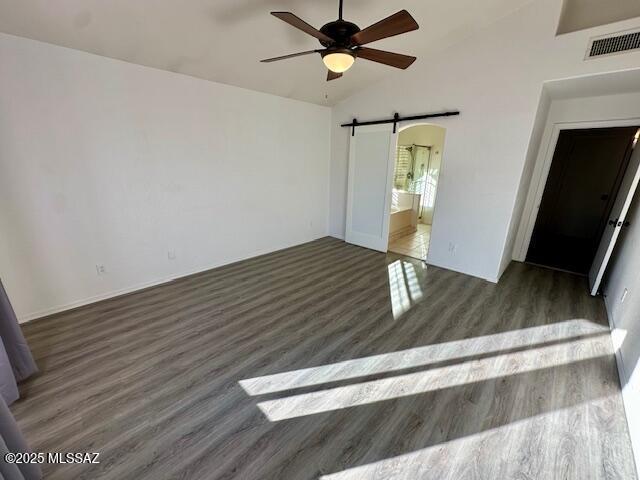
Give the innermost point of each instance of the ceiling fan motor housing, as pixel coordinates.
(341, 31)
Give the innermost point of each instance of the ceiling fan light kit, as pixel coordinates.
(338, 60)
(342, 41)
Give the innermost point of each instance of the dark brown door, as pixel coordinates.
(583, 181)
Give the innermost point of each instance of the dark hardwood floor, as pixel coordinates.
(331, 361)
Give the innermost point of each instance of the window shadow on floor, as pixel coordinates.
(491, 423)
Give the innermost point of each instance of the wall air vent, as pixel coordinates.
(614, 43)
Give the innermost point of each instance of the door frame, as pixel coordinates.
(541, 174)
(417, 123)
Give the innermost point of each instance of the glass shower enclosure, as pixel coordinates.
(415, 172)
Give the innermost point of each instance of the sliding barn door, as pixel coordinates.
(371, 164)
(616, 221)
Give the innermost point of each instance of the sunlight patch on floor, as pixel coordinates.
(420, 356)
(433, 379)
(404, 287)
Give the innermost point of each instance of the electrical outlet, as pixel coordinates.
(452, 248)
(171, 254)
(100, 269)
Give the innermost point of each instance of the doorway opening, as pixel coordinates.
(593, 175)
(418, 161)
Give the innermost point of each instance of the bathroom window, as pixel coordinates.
(402, 173)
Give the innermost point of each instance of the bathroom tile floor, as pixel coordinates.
(414, 245)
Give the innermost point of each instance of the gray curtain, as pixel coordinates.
(11, 440)
(16, 363)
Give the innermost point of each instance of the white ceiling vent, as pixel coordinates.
(614, 43)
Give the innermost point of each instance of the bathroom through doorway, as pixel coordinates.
(417, 167)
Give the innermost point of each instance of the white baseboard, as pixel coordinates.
(627, 401)
(104, 296)
(152, 283)
(622, 373)
(159, 281)
(471, 274)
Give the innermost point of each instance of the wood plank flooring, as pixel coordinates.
(329, 361)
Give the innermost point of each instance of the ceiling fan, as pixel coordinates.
(343, 41)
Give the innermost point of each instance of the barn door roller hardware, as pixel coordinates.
(397, 118)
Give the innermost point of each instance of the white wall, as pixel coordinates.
(624, 316)
(105, 162)
(495, 78)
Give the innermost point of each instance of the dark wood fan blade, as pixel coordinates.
(300, 24)
(332, 75)
(388, 58)
(401, 22)
(291, 55)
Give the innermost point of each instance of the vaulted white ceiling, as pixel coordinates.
(223, 40)
(581, 14)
